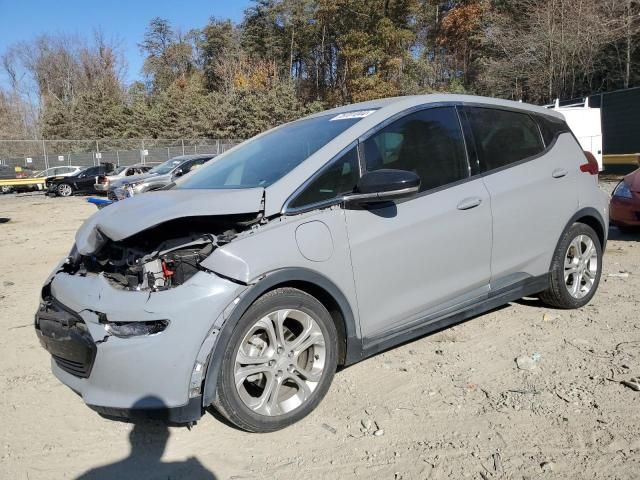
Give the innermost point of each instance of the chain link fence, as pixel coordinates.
(42, 154)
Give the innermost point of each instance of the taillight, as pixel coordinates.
(591, 166)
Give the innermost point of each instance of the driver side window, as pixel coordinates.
(428, 142)
(339, 178)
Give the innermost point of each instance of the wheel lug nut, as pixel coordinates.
(279, 374)
(291, 369)
(280, 350)
(272, 363)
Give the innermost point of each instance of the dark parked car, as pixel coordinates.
(81, 182)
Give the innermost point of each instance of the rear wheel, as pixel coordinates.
(65, 190)
(575, 269)
(279, 362)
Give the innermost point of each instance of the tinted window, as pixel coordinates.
(504, 137)
(93, 171)
(339, 178)
(193, 164)
(428, 143)
(267, 158)
(550, 128)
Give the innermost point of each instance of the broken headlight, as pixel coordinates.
(135, 329)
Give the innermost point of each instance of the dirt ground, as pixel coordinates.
(450, 405)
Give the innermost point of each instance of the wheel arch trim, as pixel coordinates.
(270, 281)
(587, 212)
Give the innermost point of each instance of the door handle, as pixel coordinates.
(559, 173)
(469, 203)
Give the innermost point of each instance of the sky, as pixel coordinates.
(121, 21)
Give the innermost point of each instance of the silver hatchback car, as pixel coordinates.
(315, 245)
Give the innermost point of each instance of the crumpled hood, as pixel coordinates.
(133, 215)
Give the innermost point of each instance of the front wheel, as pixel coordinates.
(65, 190)
(575, 269)
(279, 362)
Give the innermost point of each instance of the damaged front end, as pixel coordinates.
(158, 240)
(111, 315)
(162, 257)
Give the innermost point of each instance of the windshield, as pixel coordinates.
(264, 160)
(165, 167)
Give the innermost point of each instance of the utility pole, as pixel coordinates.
(44, 153)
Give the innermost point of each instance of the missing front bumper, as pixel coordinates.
(64, 334)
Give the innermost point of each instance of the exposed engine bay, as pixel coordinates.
(161, 257)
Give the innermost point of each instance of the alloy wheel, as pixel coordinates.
(580, 266)
(65, 190)
(280, 362)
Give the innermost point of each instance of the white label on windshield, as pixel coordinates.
(350, 115)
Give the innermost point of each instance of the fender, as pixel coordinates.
(267, 282)
(585, 212)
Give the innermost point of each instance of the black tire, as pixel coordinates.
(558, 294)
(64, 190)
(227, 400)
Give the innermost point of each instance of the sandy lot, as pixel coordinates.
(451, 405)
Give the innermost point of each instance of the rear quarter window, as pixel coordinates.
(551, 128)
(504, 137)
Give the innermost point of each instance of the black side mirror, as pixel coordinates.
(178, 172)
(384, 185)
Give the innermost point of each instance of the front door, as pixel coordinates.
(419, 258)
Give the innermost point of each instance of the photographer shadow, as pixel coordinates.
(148, 443)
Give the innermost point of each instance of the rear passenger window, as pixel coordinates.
(339, 178)
(504, 137)
(428, 142)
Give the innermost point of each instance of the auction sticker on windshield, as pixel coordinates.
(350, 115)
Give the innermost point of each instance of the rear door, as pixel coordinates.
(416, 259)
(85, 181)
(532, 189)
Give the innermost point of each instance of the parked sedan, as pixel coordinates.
(317, 244)
(81, 182)
(103, 181)
(158, 177)
(624, 209)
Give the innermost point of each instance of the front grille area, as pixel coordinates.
(78, 369)
(64, 335)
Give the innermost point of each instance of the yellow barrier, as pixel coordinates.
(18, 182)
(630, 159)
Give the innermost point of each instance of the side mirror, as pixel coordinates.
(384, 185)
(178, 172)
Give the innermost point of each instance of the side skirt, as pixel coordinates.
(529, 286)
